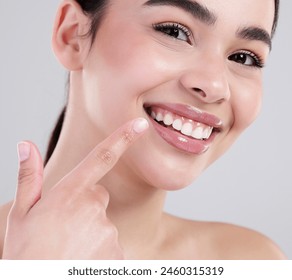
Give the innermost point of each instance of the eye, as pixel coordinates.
(247, 58)
(175, 30)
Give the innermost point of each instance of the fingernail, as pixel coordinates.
(140, 125)
(23, 149)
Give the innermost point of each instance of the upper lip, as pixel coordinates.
(190, 112)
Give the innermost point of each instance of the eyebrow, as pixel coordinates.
(194, 8)
(204, 15)
(255, 33)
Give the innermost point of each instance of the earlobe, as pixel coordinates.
(67, 40)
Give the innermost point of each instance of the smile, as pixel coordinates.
(184, 127)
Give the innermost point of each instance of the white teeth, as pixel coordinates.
(198, 133)
(159, 117)
(177, 124)
(209, 132)
(187, 129)
(205, 133)
(168, 119)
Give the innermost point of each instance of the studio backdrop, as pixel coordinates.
(249, 186)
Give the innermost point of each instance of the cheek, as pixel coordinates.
(246, 104)
(133, 56)
(120, 71)
(135, 63)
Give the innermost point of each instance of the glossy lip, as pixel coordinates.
(180, 141)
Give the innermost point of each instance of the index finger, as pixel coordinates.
(106, 154)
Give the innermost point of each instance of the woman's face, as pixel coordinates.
(194, 67)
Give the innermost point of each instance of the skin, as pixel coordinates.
(119, 188)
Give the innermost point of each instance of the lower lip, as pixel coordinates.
(182, 142)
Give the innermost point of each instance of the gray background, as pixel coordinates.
(249, 186)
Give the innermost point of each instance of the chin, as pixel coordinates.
(173, 184)
(169, 178)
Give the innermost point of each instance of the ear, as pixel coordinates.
(68, 41)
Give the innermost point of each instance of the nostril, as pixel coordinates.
(201, 92)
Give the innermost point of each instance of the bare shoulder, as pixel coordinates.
(236, 242)
(4, 210)
(214, 240)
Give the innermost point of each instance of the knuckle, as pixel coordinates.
(95, 195)
(28, 175)
(105, 156)
(92, 203)
(127, 137)
(111, 230)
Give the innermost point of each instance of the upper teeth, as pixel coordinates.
(185, 126)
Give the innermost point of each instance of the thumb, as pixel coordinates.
(30, 177)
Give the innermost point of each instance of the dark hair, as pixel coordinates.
(277, 4)
(95, 10)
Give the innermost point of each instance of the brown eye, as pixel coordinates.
(174, 30)
(247, 58)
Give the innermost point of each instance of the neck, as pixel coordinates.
(136, 210)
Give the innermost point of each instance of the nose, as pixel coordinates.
(206, 78)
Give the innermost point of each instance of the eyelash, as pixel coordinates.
(167, 26)
(258, 61)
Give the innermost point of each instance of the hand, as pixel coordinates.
(70, 221)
